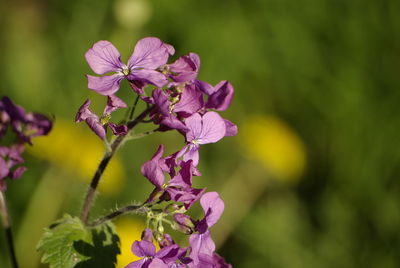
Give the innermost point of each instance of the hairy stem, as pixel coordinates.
(88, 202)
(118, 212)
(7, 228)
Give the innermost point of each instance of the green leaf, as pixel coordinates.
(68, 243)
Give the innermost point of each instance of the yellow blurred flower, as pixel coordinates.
(128, 230)
(74, 148)
(276, 145)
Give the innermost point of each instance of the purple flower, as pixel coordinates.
(213, 206)
(155, 168)
(98, 125)
(165, 257)
(149, 54)
(10, 160)
(205, 129)
(185, 68)
(25, 125)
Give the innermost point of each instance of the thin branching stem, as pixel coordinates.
(128, 209)
(7, 228)
(88, 201)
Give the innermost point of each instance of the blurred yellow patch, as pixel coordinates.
(79, 151)
(276, 145)
(128, 230)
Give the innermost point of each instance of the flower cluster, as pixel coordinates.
(25, 126)
(176, 100)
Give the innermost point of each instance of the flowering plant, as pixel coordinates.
(175, 100)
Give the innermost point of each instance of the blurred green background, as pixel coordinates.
(312, 178)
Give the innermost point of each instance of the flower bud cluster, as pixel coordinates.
(176, 100)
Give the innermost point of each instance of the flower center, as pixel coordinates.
(126, 71)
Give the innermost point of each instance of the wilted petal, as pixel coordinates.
(84, 112)
(149, 53)
(213, 128)
(149, 76)
(118, 130)
(96, 127)
(105, 85)
(143, 248)
(231, 128)
(103, 57)
(222, 97)
(114, 103)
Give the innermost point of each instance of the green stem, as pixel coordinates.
(128, 209)
(88, 201)
(7, 228)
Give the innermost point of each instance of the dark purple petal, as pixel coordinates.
(37, 124)
(17, 173)
(96, 127)
(148, 76)
(15, 112)
(213, 128)
(187, 196)
(105, 85)
(113, 103)
(137, 86)
(190, 102)
(168, 254)
(143, 248)
(118, 130)
(149, 53)
(184, 177)
(103, 57)
(222, 97)
(231, 128)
